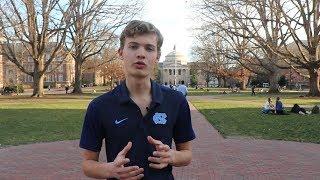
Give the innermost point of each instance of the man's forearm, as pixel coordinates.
(181, 158)
(95, 169)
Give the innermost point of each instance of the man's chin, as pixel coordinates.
(140, 75)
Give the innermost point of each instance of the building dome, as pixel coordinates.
(175, 57)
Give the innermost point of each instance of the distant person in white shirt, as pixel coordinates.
(183, 89)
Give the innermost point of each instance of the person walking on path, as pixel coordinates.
(183, 89)
(253, 93)
(139, 118)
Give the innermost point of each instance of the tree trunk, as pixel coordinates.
(111, 81)
(244, 83)
(38, 78)
(273, 80)
(78, 77)
(104, 80)
(219, 81)
(37, 85)
(224, 82)
(314, 82)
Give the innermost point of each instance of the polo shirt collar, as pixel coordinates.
(156, 93)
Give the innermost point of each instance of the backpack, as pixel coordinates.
(315, 110)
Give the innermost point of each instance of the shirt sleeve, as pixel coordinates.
(183, 130)
(92, 133)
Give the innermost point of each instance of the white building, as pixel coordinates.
(174, 69)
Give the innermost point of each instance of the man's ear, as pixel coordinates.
(158, 56)
(120, 53)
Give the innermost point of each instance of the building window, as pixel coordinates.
(174, 72)
(26, 78)
(60, 68)
(30, 78)
(30, 59)
(47, 57)
(60, 77)
(30, 68)
(50, 67)
(53, 79)
(170, 71)
(179, 72)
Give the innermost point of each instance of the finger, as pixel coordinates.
(125, 149)
(154, 141)
(120, 162)
(158, 160)
(125, 170)
(140, 176)
(161, 154)
(132, 174)
(163, 147)
(157, 166)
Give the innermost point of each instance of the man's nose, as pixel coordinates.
(141, 53)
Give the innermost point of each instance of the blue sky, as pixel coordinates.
(171, 17)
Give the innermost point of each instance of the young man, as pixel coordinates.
(139, 118)
(183, 89)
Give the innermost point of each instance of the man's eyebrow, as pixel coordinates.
(150, 45)
(132, 42)
(147, 45)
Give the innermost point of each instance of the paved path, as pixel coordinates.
(213, 158)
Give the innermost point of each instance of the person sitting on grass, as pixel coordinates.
(279, 107)
(268, 107)
(298, 110)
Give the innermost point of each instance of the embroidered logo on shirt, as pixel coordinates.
(118, 122)
(160, 118)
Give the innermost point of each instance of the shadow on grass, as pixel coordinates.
(251, 122)
(22, 126)
(247, 93)
(52, 96)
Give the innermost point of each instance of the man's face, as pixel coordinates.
(139, 55)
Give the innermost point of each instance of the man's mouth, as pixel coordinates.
(140, 65)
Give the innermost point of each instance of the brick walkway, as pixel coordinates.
(213, 158)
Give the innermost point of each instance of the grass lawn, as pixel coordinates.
(52, 118)
(240, 115)
(59, 117)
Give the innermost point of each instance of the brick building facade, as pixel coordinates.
(60, 72)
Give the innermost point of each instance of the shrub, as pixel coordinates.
(13, 89)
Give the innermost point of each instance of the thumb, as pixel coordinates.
(153, 141)
(126, 149)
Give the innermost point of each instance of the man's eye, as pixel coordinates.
(133, 47)
(150, 49)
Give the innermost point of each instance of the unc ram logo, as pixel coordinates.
(160, 118)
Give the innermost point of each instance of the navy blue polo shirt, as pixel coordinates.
(116, 118)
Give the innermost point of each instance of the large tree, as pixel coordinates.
(37, 27)
(302, 19)
(249, 28)
(209, 61)
(93, 27)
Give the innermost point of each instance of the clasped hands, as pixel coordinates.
(162, 157)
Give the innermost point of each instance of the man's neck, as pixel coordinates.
(138, 87)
